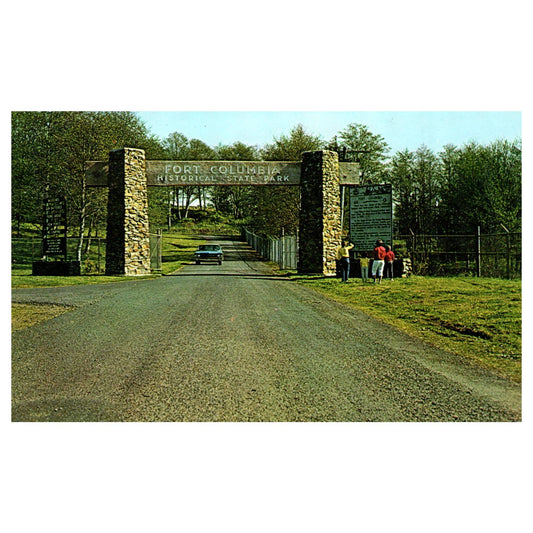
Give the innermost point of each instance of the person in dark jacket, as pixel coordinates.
(389, 262)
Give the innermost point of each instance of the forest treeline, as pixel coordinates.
(450, 192)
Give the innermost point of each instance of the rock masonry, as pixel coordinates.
(320, 218)
(128, 240)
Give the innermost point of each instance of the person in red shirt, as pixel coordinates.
(378, 262)
(389, 262)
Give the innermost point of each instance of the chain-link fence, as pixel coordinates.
(24, 251)
(488, 255)
(283, 250)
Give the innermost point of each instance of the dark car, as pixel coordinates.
(209, 253)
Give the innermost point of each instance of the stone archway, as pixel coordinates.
(128, 174)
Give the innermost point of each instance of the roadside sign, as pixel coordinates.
(370, 215)
(55, 227)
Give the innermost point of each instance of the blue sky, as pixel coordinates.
(401, 130)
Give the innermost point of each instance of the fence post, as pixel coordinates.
(507, 250)
(508, 245)
(478, 251)
(98, 260)
(413, 248)
(282, 248)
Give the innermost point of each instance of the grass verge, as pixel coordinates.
(23, 279)
(26, 315)
(178, 250)
(477, 318)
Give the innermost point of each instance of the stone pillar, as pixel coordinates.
(128, 241)
(320, 213)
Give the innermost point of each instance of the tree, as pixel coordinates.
(459, 189)
(401, 177)
(416, 180)
(291, 147)
(503, 189)
(179, 148)
(482, 187)
(368, 149)
(275, 209)
(31, 165)
(49, 155)
(234, 199)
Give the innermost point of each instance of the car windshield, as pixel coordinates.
(208, 248)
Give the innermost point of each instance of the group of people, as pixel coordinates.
(382, 261)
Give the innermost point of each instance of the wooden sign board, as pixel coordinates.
(182, 173)
(55, 227)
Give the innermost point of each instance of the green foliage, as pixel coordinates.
(275, 210)
(417, 182)
(208, 221)
(178, 200)
(482, 187)
(49, 154)
(178, 250)
(291, 147)
(234, 200)
(459, 189)
(452, 192)
(368, 149)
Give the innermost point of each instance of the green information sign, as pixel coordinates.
(370, 215)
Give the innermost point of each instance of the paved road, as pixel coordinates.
(235, 343)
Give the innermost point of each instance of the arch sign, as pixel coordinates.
(183, 173)
(127, 175)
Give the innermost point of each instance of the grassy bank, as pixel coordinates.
(178, 250)
(23, 279)
(26, 315)
(479, 318)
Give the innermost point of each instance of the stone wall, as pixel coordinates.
(320, 219)
(128, 241)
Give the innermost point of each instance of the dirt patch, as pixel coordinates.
(465, 330)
